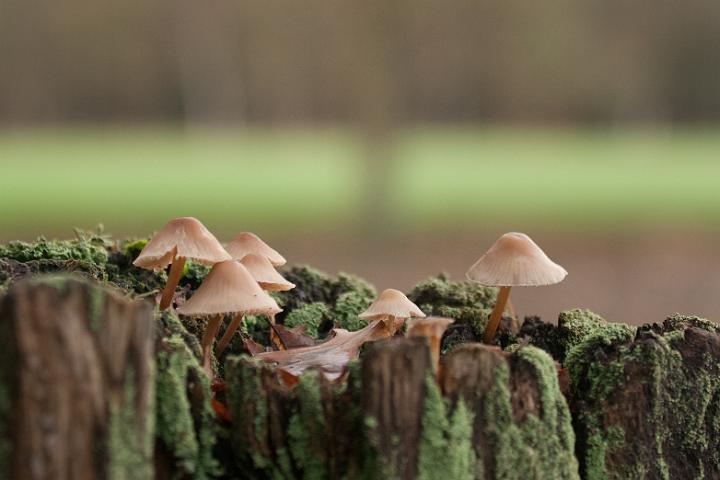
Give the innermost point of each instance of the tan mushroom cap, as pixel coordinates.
(392, 303)
(181, 237)
(515, 261)
(428, 327)
(247, 243)
(265, 274)
(229, 288)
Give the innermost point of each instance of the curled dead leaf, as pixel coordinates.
(332, 356)
(293, 337)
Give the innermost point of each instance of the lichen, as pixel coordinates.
(185, 419)
(647, 406)
(540, 445)
(574, 327)
(306, 426)
(130, 436)
(445, 449)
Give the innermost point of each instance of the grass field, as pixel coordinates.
(133, 180)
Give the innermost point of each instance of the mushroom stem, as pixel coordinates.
(172, 282)
(210, 332)
(496, 314)
(227, 336)
(274, 338)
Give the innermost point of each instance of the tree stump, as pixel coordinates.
(503, 416)
(648, 406)
(76, 382)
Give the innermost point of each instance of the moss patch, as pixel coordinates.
(648, 407)
(185, 419)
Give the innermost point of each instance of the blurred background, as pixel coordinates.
(392, 139)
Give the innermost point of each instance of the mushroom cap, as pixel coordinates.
(181, 237)
(392, 303)
(229, 288)
(247, 243)
(515, 261)
(265, 274)
(427, 327)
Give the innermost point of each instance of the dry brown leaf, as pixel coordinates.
(293, 337)
(332, 356)
(252, 347)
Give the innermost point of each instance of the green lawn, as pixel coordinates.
(135, 179)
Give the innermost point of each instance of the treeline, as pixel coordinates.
(279, 61)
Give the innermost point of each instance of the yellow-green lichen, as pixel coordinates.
(307, 428)
(130, 436)
(185, 419)
(445, 449)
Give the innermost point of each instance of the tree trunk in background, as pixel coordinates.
(76, 383)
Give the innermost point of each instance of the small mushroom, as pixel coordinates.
(180, 239)
(270, 280)
(393, 307)
(265, 274)
(431, 328)
(247, 243)
(513, 261)
(228, 289)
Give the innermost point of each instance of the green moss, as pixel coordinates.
(647, 407)
(132, 248)
(193, 274)
(130, 453)
(185, 418)
(679, 322)
(445, 449)
(310, 316)
(43, 249)
(539, 445)
(469, 304)
(307, 427)
(344, 298)
(347, 308)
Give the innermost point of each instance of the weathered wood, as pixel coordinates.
(648, 406)
(393, 380)
(76, 382)
(522, 426)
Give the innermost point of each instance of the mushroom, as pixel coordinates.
(393, 307)
(247, 243)
(513, 261)
(270, 280)
(265, 274)
(431, 328)
(228, 288)
(180, 239)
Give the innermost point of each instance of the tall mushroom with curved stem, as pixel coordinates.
(514, 260)
(269, 280)
(247, 243)
(228, 289)
(393, 307)
(180, 239)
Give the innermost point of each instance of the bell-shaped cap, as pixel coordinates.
(515, 261)
(181, 237)
(247, 243)
(229, 288)
(265, 274)
(391, 303)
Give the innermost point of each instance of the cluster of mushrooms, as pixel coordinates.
(244, 270)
